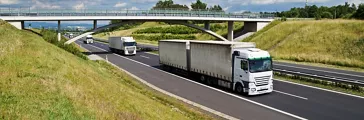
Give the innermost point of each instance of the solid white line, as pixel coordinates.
(144, 56)
(170, 94)
(321, 89)
(303, 84)
(320, 70)
(259, 104)
(291, 95)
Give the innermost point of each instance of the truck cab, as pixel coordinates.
(89, 39)
(125, 45)
(253, 72)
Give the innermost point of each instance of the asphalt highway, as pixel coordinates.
(313, 70)
(288, 101)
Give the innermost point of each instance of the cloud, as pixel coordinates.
(120, 4)
(134, 8)
(43, 5)
(8, 2)
(226, 8)
(79, 6)
(264, 2)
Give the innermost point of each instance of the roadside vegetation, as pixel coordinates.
(151, 32)
(333, 42)
(39, 80)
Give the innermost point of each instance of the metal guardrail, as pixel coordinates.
(327, 78)
(166, 12)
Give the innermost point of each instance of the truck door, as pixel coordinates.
(241, 71)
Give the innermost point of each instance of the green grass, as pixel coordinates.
(149, 36)
(333, 42)
(39, 80)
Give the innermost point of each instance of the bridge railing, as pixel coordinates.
(90, 12)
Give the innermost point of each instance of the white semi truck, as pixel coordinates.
(235, 65)
(89, 39)
(125, 45)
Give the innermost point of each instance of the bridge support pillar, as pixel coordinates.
(17, 24)
(95, 24)
(254, 26)
(59, 31)
(230, 31)
(207, 25)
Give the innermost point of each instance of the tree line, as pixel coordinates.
(198, 5)
(335, 12)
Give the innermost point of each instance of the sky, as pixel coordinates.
(234, 6)
(228, 5)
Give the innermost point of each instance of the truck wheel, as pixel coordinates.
(203, 79)
(239, 88)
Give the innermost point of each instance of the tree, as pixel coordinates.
(359, 14)
(353, 8)
(199, 5)
(216, 8)
(168, 4)
(327, 15)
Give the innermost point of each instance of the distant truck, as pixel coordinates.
(70, 35)
(89, 39)
(238, 66)
(125, 45)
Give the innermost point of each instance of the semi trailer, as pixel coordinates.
(125, 45)
(239, 66)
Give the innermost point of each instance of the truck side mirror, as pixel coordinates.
(244, 65)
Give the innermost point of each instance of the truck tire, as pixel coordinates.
(239, 88)
(203, 79)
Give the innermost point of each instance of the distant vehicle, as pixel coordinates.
(89, 39)
(70, 35)
(125, 45)
(238, 66)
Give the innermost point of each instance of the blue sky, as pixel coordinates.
(228, 5)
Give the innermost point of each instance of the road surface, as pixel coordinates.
(298, 100)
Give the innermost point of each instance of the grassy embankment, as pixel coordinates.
(331, 42)
(39, 80)
(151, 32)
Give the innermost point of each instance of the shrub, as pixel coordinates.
(163, 37)
(51, 37)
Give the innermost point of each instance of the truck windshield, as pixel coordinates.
(129, 44)
(88, 37)
(262, 65)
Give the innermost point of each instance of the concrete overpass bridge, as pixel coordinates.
(252, 21)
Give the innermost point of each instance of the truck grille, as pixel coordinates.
(260, 81)
(130, 49)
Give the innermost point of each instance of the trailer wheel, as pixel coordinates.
(239, 88)
(203, 79)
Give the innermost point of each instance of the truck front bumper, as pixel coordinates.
(260, 90)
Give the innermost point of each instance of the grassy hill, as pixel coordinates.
(41, 81)
(151, 32)
(334, 42)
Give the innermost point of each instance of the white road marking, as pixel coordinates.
(321, 89)
(144, 56)
(291, 95)
(170, 94)
(303, 85)
(320, 70)
(233, 95)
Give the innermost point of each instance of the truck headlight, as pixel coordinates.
(253, 89)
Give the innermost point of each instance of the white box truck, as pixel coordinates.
(125, 45)
(89, 39)
(235, 65)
